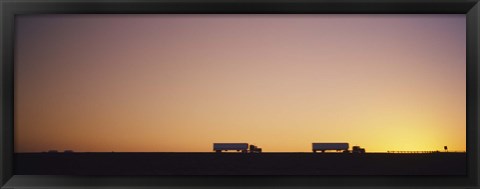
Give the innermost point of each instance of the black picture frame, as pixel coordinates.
(10, 8)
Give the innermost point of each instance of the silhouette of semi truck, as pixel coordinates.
(239, 147)
(339, 147)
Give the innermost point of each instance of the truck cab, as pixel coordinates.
(358, 150)
(255, 149)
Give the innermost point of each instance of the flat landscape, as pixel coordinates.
(116, 163)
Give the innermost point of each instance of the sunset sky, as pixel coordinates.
(178, 83)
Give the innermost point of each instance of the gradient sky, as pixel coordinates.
(178, 83)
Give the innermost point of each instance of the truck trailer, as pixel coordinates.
(239, 147)
(330, 146)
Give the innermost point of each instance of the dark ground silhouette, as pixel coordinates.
(239, 164)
